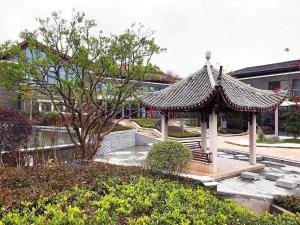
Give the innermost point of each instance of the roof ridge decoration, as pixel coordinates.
(208, 67)
(196, 93)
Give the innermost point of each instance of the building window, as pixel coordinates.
(277, 85)
(296, 87)
(274, 85)
(154, 89)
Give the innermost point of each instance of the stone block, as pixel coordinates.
(211, 184)
(273, 176)
(244, 158)
(259, 158)
(237, 156)
(250, 176)
(273, 164)
(285, 183)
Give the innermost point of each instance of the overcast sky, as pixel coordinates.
(239, 33)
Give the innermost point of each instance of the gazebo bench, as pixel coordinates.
(192, 144)
(202, 156)
(197, 153)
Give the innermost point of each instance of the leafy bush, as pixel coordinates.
(168, 156)
(260, 136)
(50, 118)
(137, 200)
(15, 131)
(291, 203)
(120, 127)
(179, 134)
(146, 122)
(293, 121)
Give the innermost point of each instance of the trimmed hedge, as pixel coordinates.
(146, 122)
(137, 200)
(168, 156)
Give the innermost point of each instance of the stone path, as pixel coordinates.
(285, 153)
(261, 187)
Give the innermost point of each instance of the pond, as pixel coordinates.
(42, 137)
(46, 144)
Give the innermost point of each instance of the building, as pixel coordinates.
(276, 76)
(153, 82)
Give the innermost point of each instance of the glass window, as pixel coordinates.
(296, 87)
(153, 89)
(276, 85)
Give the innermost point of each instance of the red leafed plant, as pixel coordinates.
(15, 131)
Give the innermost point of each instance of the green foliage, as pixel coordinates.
(120, 127)
(260, 136)
(137, 200)
(180, 134)
(291, 203)
(50, 118)
(80, 65)
(168, 156)
(146, 122)
(293, 121)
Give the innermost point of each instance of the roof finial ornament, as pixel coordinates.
(220, 75)
(207, 55)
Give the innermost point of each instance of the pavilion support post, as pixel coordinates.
(252, 138)
(164, 126)
(213, 119)
(203, 134)
(276, 121)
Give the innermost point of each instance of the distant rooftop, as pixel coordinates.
(274, 68)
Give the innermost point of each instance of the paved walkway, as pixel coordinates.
(285, 153)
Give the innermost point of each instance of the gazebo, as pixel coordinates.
(209, 92)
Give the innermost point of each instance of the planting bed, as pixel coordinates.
(106, 194)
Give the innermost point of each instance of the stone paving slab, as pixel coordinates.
(273, 176)
(250, 176)
(285, 183)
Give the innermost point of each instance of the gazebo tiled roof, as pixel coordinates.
(202, 87)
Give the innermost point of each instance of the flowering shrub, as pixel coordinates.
(15, 131)
(137, 200)
(168, 156)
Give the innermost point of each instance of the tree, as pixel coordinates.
(293, 120)
(15, 132)
(89, 76)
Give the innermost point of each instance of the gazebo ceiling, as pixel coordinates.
(206, 87)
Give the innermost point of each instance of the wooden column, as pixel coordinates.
(164, 126)
(276, 121)
(252, 138)
(213, 132)
(203, 134)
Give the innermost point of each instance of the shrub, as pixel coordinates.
(291, 203)
(15, 131)
(179, 134)
(137, 200)
(168, 156)
(146, 122)
(260, 136)
(50, 118)
(293, 121)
